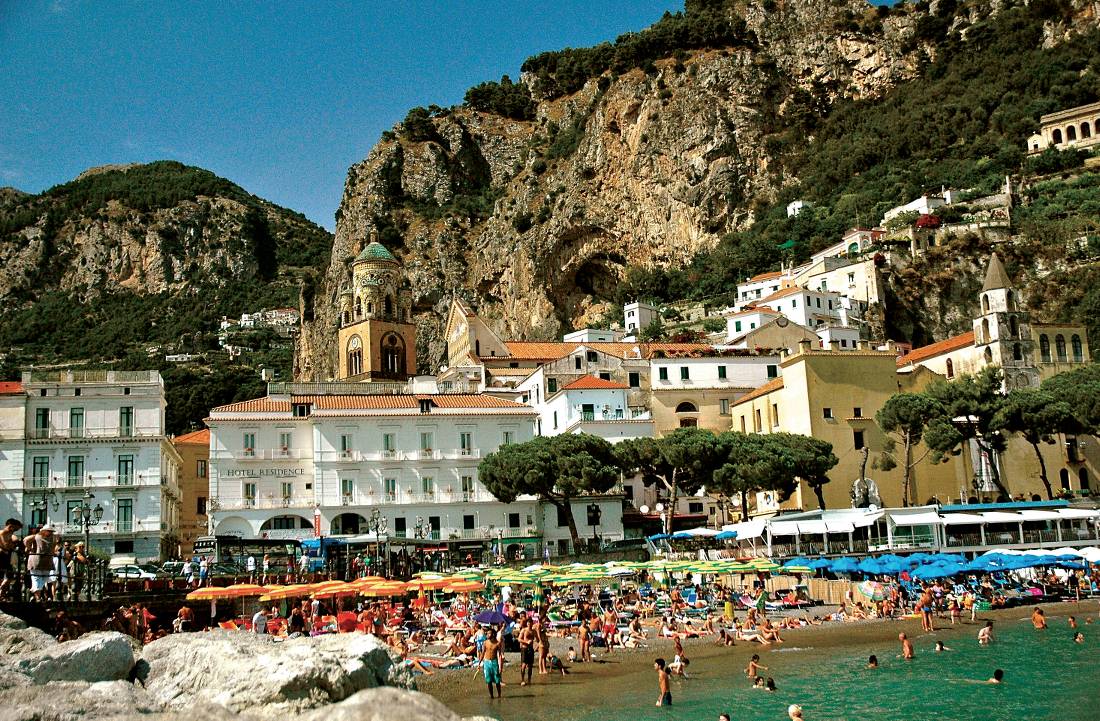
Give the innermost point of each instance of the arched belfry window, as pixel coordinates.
(388, 312)
(1078, 349)
(393, 355)
(1060, 347)
(355, 356)
(1044, 348)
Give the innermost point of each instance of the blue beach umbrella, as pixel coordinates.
(818, 563)
(844, 565)
(726, 536)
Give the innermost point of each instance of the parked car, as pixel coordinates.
(173, 569)
(138, 571)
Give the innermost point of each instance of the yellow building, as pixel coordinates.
(834, 395)
(194, 482)
(377, 338)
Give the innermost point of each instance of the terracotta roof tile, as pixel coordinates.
(931, 351)
(753, 309)
(772, 385)
(10, 388)
(766, 276)
(255, 405)
(594, 383)
(194, 438)
(782, 293)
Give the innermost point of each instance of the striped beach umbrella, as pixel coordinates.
(385, 589)
(464, 586)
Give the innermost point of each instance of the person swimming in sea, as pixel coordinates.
(769, 685)
(753, 669)
(1072, 622)
(872, 661)
(1078, 637)
(998, 677)
(941, 647)
(1038, 620)
(985, 635)
(906, 647)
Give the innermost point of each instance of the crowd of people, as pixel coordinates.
(57, 569)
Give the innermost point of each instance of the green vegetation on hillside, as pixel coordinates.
(512, 100)
(962, 124)
(115, 327)
(702, 24)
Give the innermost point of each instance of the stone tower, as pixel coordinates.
(1002, 333)
(377, 338)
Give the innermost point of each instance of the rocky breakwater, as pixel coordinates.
(215, 675)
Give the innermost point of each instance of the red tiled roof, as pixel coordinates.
(196, 438)
(551, 350)
(749, 310)
(10, 388)
(931, 351)
(782, 293)
(772, 385)
(255, 405)
(369, 402)
(765, 276)
(593, 383)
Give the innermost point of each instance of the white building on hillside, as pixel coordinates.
(761, 286)
(288, 463)
(13, 416)
(101, 433)
(638, 315)
(810, 308)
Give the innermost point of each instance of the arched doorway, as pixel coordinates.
(1083, 477)
(1063, 478)
(348, 524)
(234, 526)
(288, 525)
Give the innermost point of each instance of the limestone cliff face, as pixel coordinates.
(636, 169)
(142, 229)
(535, 222)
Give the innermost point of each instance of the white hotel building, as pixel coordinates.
(72, 433)
(322, 461)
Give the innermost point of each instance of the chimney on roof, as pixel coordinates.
(804, 346)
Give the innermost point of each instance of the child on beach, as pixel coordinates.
(985, 636)
(752, 670)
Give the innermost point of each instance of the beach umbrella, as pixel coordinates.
(819, 563)
(844, 565)
(385, 589)
(493, 617)
(464, 586)
(335, 588)
(237, 590)
(870, 565)
(726, 536)
(873, 590)
(427, 584)
(281, 593)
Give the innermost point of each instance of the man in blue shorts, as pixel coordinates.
(490, 664)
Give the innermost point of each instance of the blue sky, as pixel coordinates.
(279, 97)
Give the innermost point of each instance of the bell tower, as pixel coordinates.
(1002, 333)
(377, 338)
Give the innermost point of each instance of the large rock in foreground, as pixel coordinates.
(80, 701)
(17, 637)
(100, 656)
(387, 704)
(257, 674)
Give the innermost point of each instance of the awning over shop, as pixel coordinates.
(1001, 517)
(1077, 513)
(920, 518)
(963, 519)
(747, 529)
(1030, 514)
(784, 528)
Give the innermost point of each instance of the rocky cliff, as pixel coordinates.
(645, 167)
(536, 220)
(147, 229)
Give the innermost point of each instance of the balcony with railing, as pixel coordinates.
(267, 454)
(92, 433)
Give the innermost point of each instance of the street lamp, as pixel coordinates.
(376, 524)
(48, 499)
(86, 515)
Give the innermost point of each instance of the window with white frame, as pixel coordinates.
(249, 444)
(466, 443)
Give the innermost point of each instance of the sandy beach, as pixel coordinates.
(628, 671)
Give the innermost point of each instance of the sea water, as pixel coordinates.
(1047, 676)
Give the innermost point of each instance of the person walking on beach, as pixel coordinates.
(925, 605)
(526, 640)
(490, 665)
(906, 647)
(664, 697)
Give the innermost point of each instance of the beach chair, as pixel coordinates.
(229, 626)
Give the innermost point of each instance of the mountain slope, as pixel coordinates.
(124, 257)
(659, 165)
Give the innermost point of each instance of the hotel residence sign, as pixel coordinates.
(264, 472)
